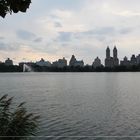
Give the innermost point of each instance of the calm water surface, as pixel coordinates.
(79, 104)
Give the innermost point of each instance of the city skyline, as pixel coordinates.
(69, 57)
(111, 60)
(52, 29)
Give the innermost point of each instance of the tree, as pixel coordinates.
(13, 6)
(15, 121)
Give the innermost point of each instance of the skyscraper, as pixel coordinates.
(115, 53)
(107, 52)
(115, 57)
(108, 60)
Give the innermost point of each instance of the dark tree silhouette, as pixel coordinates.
(13, 6)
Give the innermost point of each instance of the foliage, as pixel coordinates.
(13, 68)
(13, 6)
(15, 121)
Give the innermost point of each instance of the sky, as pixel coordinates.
(53, 29)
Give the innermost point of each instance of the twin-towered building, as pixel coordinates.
(114, 61)
(111, 61)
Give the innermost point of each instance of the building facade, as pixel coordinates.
(125, 62)
(42, 62)
(8, 62)
(138, 59)
(133, 60)
(73, 62)
(61, 63)
(97, 63)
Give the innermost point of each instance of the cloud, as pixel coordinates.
(47, 5)
(3, 46)
(58, 24)
(25, 35)
(65, 36)
(126, 30)
(100, 31)
(1, 37)
(9, 46)
(128, 13)
(39, 39)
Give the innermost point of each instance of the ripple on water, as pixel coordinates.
(79, 104)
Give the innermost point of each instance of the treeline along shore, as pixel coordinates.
(88, 68)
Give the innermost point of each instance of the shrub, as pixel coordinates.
(16, 121)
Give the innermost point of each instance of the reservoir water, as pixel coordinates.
(79, 105)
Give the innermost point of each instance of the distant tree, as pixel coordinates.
(13, 6)
(15, 121)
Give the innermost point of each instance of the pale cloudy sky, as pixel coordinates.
(55, 28)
